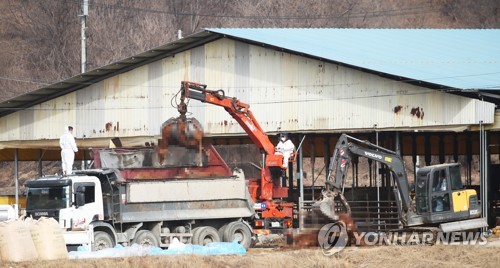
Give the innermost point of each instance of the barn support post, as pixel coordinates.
(313, 161)
(326, 156)
(16, 178)
(455, 147)
(301, 188)
(397, 143)
(40, 166)
(377, 180)
(441, 149)
(427, 148)
(468, 145)
(301, 171)
(414, 156)
(483, 171)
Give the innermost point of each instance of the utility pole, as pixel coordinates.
(85, 13)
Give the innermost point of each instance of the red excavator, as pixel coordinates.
(271, 196)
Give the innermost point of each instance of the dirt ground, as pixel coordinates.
(387, 256)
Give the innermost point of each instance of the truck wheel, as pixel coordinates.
(102, 240)
(221, 231)
(204, 235)
(146, 238)
(238, 231)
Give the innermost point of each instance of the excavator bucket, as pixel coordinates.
(331, 204)
(180, 132)
(327, 206)
(331, 209)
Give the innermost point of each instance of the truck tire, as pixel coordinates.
(146, 238)
(221, 231)
(238, 231)
(204, 235)
(102, 240)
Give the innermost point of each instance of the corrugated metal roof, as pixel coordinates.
(444, 58)
(467, 59)
(94, 76)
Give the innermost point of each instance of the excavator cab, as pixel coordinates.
(441, 197)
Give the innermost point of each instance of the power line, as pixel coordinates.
(166, 106)
(362, 15)
(24, 80)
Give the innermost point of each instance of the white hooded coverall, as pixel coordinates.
(68, 150)
(285, 148)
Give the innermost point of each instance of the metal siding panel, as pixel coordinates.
(9, 127)
(219, 74)
(132, 105)
(269, 90)
(312, 79)
(197, 67)
(90, 109)
(155, 97)
(283, 90)
(52, 116)
(241, 74)
(484, 112)
(26, 118)
(219, 63)
(175, 70)
(114, 89)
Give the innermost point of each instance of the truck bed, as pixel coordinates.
(185, 199)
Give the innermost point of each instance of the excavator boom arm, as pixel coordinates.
(238, 110)
(346, 149)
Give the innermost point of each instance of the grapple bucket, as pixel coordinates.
(180, 131)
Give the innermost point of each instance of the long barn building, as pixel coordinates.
(427, 92)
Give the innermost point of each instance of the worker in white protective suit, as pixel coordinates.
(286, 148)
(68, 150)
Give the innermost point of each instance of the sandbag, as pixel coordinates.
(48, 239)
(16, 244)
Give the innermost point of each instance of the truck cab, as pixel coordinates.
(74, 201)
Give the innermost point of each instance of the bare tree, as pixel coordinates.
(51, 34)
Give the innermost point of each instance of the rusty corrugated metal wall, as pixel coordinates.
(285, 91)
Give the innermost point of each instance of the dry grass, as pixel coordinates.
(386, 256)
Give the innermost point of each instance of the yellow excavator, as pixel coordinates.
(440, 199)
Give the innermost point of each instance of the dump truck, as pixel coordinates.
(145, 205)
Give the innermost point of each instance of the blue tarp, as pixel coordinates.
(175, 248)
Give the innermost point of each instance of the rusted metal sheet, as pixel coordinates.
(180, 163)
